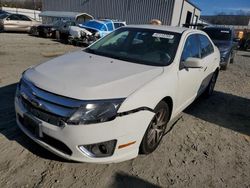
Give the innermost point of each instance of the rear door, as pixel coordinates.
(25, 23)
(208, 60)
(189, 78)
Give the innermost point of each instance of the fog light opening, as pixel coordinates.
(103, 149)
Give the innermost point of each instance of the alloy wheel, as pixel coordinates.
(157, 128)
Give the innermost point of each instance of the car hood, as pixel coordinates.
(81, 75)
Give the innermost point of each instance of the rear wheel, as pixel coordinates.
(156, 129)
(210, 88)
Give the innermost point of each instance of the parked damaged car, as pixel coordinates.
(46, 30)
(114, 99)
(90, 31)
(62, 32)
(16, 22)
(60, 28)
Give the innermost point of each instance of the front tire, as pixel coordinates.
(156, 129)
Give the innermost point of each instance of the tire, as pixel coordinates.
(232, 58)
(156, 129)
(210, 88)
(2, 29)
(224, 67)
(232, 61)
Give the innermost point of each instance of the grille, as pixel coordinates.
(43, 115)
(46, 106)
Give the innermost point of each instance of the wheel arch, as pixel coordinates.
(217, 70)
(169, 102)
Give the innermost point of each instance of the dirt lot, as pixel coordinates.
(208, 147)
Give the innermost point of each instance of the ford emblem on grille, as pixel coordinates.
(35, 103)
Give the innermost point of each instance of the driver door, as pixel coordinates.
(11, 22)
(190, 79)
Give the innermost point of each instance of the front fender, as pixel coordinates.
(149, 95)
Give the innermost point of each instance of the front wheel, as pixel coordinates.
(232, 58)
(156, 129)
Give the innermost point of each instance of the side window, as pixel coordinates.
(14, 17)
(110, 26)
(24, 18)
(206, 46)
(191, 48)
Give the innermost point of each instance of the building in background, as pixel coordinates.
(170, 12)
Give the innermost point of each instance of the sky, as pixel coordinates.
(213, 7)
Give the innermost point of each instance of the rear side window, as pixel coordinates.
(191, 48)
(206, 46)
(24, 18)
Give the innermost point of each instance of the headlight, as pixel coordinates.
(96, 112)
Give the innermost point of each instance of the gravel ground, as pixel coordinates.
(208, 147)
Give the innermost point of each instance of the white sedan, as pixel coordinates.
(114, 99)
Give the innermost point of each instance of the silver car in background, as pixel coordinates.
(16, 22)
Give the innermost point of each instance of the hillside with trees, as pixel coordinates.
(28, 4)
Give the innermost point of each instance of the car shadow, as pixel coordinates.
(122, 180)
(223, 109)
(244, 55)
(9, 128)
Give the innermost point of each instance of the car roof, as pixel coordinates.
(161, 27)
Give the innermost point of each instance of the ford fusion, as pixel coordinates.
(114, 99)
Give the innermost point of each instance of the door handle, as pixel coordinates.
(205, 68)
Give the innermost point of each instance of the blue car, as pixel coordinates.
(92, 30)
(224, 39)
(102, 27)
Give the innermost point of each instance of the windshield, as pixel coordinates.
(218, 33)
(143, 46)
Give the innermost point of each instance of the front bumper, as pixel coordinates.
(125, 129)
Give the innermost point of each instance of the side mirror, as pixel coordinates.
(192, 62)
(8, 19)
